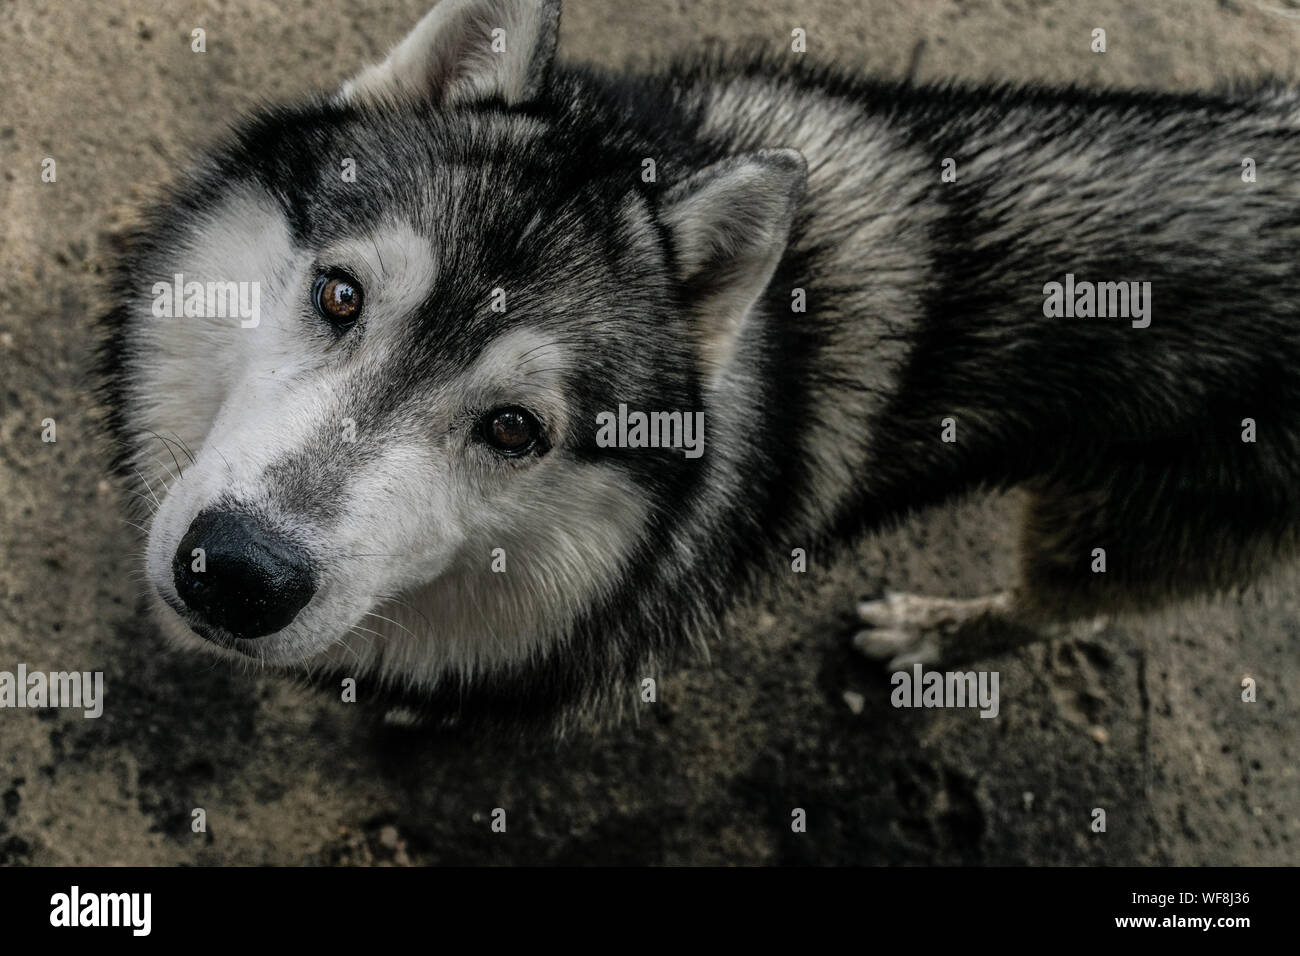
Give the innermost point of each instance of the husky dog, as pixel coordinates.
(398, 461)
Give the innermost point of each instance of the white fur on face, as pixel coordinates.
(245, 240)
(424, 509)
(562, 531)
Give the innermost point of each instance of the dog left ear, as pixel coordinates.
(465, 50)
(730, 224)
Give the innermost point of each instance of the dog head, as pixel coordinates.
(366, 349)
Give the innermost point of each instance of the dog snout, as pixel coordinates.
(249, 582)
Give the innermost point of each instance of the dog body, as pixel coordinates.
(471, 259)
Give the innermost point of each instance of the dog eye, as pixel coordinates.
(337, 298)
(512, 431)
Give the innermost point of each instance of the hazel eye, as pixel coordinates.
(512, 431)
(337, 298)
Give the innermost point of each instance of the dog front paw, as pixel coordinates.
(908, 629)
(902, 631)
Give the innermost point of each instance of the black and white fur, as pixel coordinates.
(479, 170)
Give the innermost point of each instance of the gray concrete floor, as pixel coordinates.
(1144, 720)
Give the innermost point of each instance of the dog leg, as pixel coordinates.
(907, 629)
(1150, 562)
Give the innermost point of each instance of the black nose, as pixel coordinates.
(252, 584)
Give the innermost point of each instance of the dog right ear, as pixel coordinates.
(465, 50)
(730, 223)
